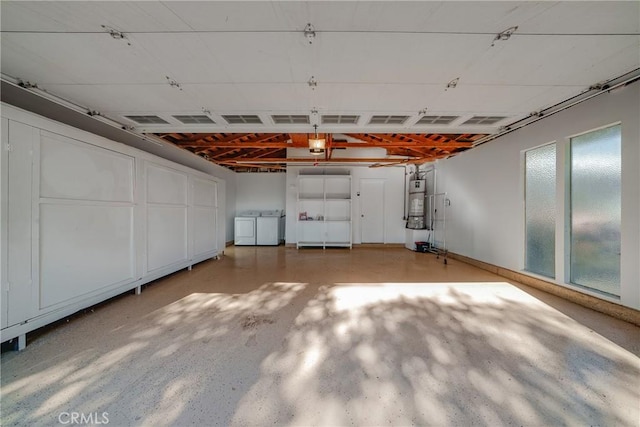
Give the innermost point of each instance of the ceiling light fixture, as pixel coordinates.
(316, 144)
(504, 35)
(313, 83)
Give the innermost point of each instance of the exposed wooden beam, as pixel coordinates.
(267, 153)
(371, 142)
(200, 140)
(276, 160)
(299, 140)
(249, 165)
(388, 140)
(275, 137)
(218, 153)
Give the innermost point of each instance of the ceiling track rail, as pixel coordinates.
(34, 89)
(593, 91)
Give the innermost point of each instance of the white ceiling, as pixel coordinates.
(368, 58)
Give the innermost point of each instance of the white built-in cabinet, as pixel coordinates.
(84, 219)
(324, 211)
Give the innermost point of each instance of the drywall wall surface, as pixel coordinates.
(260, 191)
(228, 197)
(485, 185)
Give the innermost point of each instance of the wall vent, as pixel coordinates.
(240, 119)
(290, 119)
(339, 120)
(388, 120)
(148, 120)
(194, 120)
(436, 120)
(484, 120)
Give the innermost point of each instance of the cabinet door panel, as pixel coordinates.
(166, 236)
(311, 231)
(338, 232)
(73, 170)
(204, 235)
(83, 249)
(166, 186)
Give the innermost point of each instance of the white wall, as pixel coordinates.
(485, 186)
(393, 192)
(260, 191)
(229, 208)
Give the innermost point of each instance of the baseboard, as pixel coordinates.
(228, 243)
(607, 307)
(364, 245)
(378, 245)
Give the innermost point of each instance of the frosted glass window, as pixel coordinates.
(595, 210)
(540, 210)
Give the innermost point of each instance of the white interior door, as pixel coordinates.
(372, 210)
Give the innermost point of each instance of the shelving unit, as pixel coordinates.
(324, 211)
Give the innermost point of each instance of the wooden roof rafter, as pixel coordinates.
(264, 150)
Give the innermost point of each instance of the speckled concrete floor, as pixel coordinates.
(372, 336)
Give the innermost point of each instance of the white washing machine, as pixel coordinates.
(245, 228)
(270, 228)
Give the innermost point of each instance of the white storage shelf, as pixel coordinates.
(324, 211)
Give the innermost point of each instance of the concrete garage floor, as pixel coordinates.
(372, 336)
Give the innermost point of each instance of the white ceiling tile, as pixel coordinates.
(590, 17)
(367, 57)
(251, 58)
(554, 60)
(88, 16)
(85, 58)
(496, 100)
(240, 16)
(133, 99)
(386, 58)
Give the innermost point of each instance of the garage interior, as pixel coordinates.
(136, 136)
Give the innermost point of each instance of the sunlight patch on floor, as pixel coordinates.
(430, 353)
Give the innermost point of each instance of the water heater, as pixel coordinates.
(417, 192)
